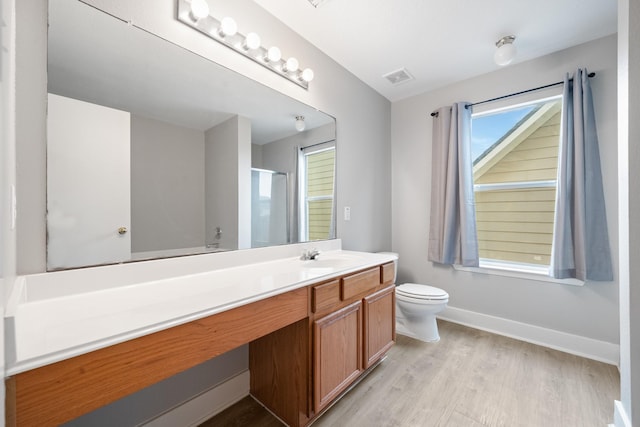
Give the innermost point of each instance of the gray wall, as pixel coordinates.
(280, 155)
(30, 134)
(589, 311)
(167, 186)
(256, 156)
(228, 183)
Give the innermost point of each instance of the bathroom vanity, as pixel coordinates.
(349, 327)
(313, 329)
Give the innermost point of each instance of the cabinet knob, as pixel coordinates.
(122, 230)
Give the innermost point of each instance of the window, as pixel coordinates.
(515, 158)
(317, 167)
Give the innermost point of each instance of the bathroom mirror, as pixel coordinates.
(154, 151)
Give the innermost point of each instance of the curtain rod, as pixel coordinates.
(317, 143)
(435, 113)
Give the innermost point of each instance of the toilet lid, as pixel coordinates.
(415, 290)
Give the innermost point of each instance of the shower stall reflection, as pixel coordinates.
(269, 208)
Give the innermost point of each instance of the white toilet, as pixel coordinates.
(416, 309)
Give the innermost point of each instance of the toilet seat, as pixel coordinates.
(421, 292)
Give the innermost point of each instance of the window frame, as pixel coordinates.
(303, 198)
(521, 270)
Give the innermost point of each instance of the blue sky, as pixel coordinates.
(486, 130)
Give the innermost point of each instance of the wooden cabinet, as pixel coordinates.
(350, 327)
(337, 353)
(356, 334)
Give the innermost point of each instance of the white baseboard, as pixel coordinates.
(601, 351)
(204, 406)
(620, 417)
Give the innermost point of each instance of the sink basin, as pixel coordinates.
(335, 262)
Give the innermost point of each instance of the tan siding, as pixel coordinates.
(541, 194)
(520, 206)
(320, 180)
(520, 176)
(319, 219)
(524, 237)
(541, 153)
(523, 217)
(515, 225)
(320, 173)
(509, 166)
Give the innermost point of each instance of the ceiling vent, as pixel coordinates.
(317, 3)
(398, 76)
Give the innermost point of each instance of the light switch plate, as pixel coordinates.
(347, 213)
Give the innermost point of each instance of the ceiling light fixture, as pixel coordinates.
(506, 50)
(300, 124)
(195, 14)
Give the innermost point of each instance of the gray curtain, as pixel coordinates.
(580, 239)
(452, 232)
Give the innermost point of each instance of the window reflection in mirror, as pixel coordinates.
(317, 207)
(180, 164)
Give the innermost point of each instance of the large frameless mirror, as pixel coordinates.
(154, 151)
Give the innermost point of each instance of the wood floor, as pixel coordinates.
(470, 378)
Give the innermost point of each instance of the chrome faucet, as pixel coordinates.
(309, 254)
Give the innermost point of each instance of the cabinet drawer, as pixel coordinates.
(325, 295)
(387, 273)
(359, 283)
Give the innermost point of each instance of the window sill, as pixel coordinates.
(519, 271)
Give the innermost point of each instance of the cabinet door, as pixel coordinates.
(379, 324)
(337, 353)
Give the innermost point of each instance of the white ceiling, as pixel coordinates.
(439, 42)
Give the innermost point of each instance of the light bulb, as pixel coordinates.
(252, 41)
(273, 54)
(505, 54)
(506, 51)
(292, 65)
(199, 9)
(300, 125)
(228, 27)
(307, 75)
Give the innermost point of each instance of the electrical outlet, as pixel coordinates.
(347, 213)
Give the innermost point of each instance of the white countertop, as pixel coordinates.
(55, 316)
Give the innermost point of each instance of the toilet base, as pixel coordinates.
(425, 331)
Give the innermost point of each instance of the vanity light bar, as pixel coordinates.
(195, 13)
